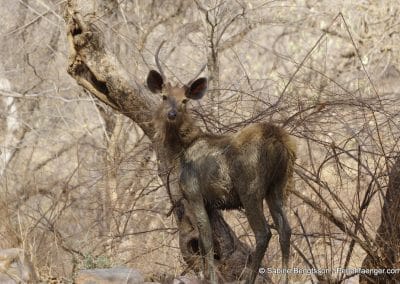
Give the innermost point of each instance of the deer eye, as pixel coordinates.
(164, 97)
(184, 101)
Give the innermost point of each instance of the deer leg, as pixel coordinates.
(206, 241)
(253, 206)
(191, 191)
(275, 205)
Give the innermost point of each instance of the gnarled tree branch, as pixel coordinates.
(99, 72)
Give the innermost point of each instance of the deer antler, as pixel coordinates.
(158, 61)
(160, 69)
(198, 74)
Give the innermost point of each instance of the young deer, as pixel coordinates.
(226, 171)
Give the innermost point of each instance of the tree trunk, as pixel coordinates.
(100, 73)
(388, 235)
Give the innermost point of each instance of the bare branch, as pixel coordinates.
(158, 61)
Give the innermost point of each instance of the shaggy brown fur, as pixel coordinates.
(227, 171)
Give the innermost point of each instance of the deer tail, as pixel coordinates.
(281, 156)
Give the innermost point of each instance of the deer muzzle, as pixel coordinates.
(172, 114)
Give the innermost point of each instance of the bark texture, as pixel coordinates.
(99, 72)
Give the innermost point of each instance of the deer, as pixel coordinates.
(231, 171)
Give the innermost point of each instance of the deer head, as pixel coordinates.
(174, 98)
(173, 124)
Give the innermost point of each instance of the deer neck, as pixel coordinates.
(178, 138)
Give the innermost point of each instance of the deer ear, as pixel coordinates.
(197, 89)
(155, 81)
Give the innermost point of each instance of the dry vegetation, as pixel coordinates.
(78, 181)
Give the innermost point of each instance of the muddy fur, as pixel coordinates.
(225, 164)
(227, 171)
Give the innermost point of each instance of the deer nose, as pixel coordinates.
(172, 114)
